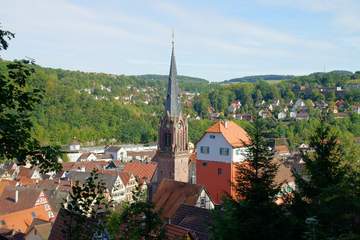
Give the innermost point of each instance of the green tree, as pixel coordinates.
(328, 191)
(18, 100)
(140, 221)
(88, 208)
(253, 213)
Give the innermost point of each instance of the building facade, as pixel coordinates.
(218, 152)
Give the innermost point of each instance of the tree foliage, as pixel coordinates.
(88, 206)
(329, 189)
(253, 213)
(18, 99)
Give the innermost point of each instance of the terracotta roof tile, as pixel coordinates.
(143, 171)
(194, 218)
(175, 232)
(26, 199)
(281, 149)
(233, 133)
(171, 194)
(21, 220)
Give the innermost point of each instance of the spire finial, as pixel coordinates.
(172, 38)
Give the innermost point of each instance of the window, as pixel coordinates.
(50, 214)
(224, 151)
(47, 207)
(204, 149)
(204, 164)
(2, 222)
(219, 171)
(202, 202)
(238, 152)
(167, 139)
(212, 136)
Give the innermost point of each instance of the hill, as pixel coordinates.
(270, 77)
(157, 77)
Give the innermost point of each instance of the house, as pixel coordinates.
(292, 114)
(114, 185)
(218, 151)
(74, 146)
(303, 147)
(175, 232)
(170, 194)
(88, 156)
(244, 116)
(194, 219)
(356, 109)
(7, 170)
(270, 107)
(234, 106)
(20, 205)
(144, 172)
(281, 115)
(282, 151)
(298, 104)
(104, 157)
(214, 116)
(141, 155)
(128, 182)
(321, 104)
(303, 115)
(117, 153)
(265, 113)
(62, 231)
(38, 230)
(340, 104)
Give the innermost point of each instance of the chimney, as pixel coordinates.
(225, 123)
(17, 192)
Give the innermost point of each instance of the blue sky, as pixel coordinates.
(216, 40)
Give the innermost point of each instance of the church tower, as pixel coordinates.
(173, 154)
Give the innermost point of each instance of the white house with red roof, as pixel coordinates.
(218, 151)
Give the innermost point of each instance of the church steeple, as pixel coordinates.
(173, 104)
(173, 153)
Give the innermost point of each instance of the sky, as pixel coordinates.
(215, 40)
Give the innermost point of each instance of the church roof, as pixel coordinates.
(172, 104)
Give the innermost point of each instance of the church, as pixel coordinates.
(173, 152)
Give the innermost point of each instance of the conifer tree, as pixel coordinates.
(328, 196)
(253, 214)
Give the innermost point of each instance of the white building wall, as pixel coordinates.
(214, 148)
(238, 157)
(204, 201)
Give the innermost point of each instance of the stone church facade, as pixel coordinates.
(173, 152)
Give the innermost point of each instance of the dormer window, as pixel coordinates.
(212, 136)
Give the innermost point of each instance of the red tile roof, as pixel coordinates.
(235, 135)
(124, 176)
(171, 194)
(142, 171)
(175, 232)
(21, 220)
(26, 199)
(281, 149)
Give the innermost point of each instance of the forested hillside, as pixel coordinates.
(99, 108)
(271, 77)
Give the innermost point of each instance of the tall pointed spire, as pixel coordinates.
(172, 104)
